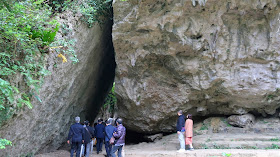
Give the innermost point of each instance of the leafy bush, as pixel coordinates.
(110, 100)
(4, 143)
(95, 11)
(26, 30)
(20, 53)
(273, 146)
(92, 10)
(47, 36)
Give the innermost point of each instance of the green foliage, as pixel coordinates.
(4, 143)
(204, 127)
(272, 95)
(226, 154)
(92, 10)
(26, 30)
(58, 5)
(226, 122)
(275, 139)
(47, 36)
(66, 47)
(111, 100)
(204, 146)
(20, 55)
(273, 146)
(95, 11)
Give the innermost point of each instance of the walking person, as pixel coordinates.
(120, 138)
(89, 134)
(76, 133)
(109, 130)
(181, 130)
(189, 131)
(99, 134)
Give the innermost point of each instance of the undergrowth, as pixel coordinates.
(110, 102)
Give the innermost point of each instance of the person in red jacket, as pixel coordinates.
(189, 131)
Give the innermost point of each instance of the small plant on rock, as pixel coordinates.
(273, 146)
(4, 143)
(275, 139)
(226, 154)
(204, 146)
(204, 127)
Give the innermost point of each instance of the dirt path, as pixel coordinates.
(195, 153)
(168, 145)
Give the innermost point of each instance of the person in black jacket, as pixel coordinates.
(89, 134)
(76, 133)
(109, 130)
(181, 130)
(99, 134)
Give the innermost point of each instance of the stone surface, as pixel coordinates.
(217, 59)
(241, 120)
(71, 90)
(152, 138)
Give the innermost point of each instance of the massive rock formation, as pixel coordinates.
(218, 59)
(71, 90)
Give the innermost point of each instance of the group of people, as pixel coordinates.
(82, 135)
(184, 131)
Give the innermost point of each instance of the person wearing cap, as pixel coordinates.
(109, 130)
(76, 133)
(119, 137)
(99, 134)
(89, 134)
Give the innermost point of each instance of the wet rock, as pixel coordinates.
(152, 138)
(217, 59)
(241, 120)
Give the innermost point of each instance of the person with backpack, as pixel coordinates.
(89, 134)
(109, 130)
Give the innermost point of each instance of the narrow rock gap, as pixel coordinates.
(106, 74)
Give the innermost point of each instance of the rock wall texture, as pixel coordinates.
(218, 59)
(71, 90)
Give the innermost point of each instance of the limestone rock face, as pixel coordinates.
(241, 120)
(218, 59)
(152, 138)
(70, 90)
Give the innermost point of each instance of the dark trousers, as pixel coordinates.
(108, 148)
(99, 144)
(116, 148)
(76, 146)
